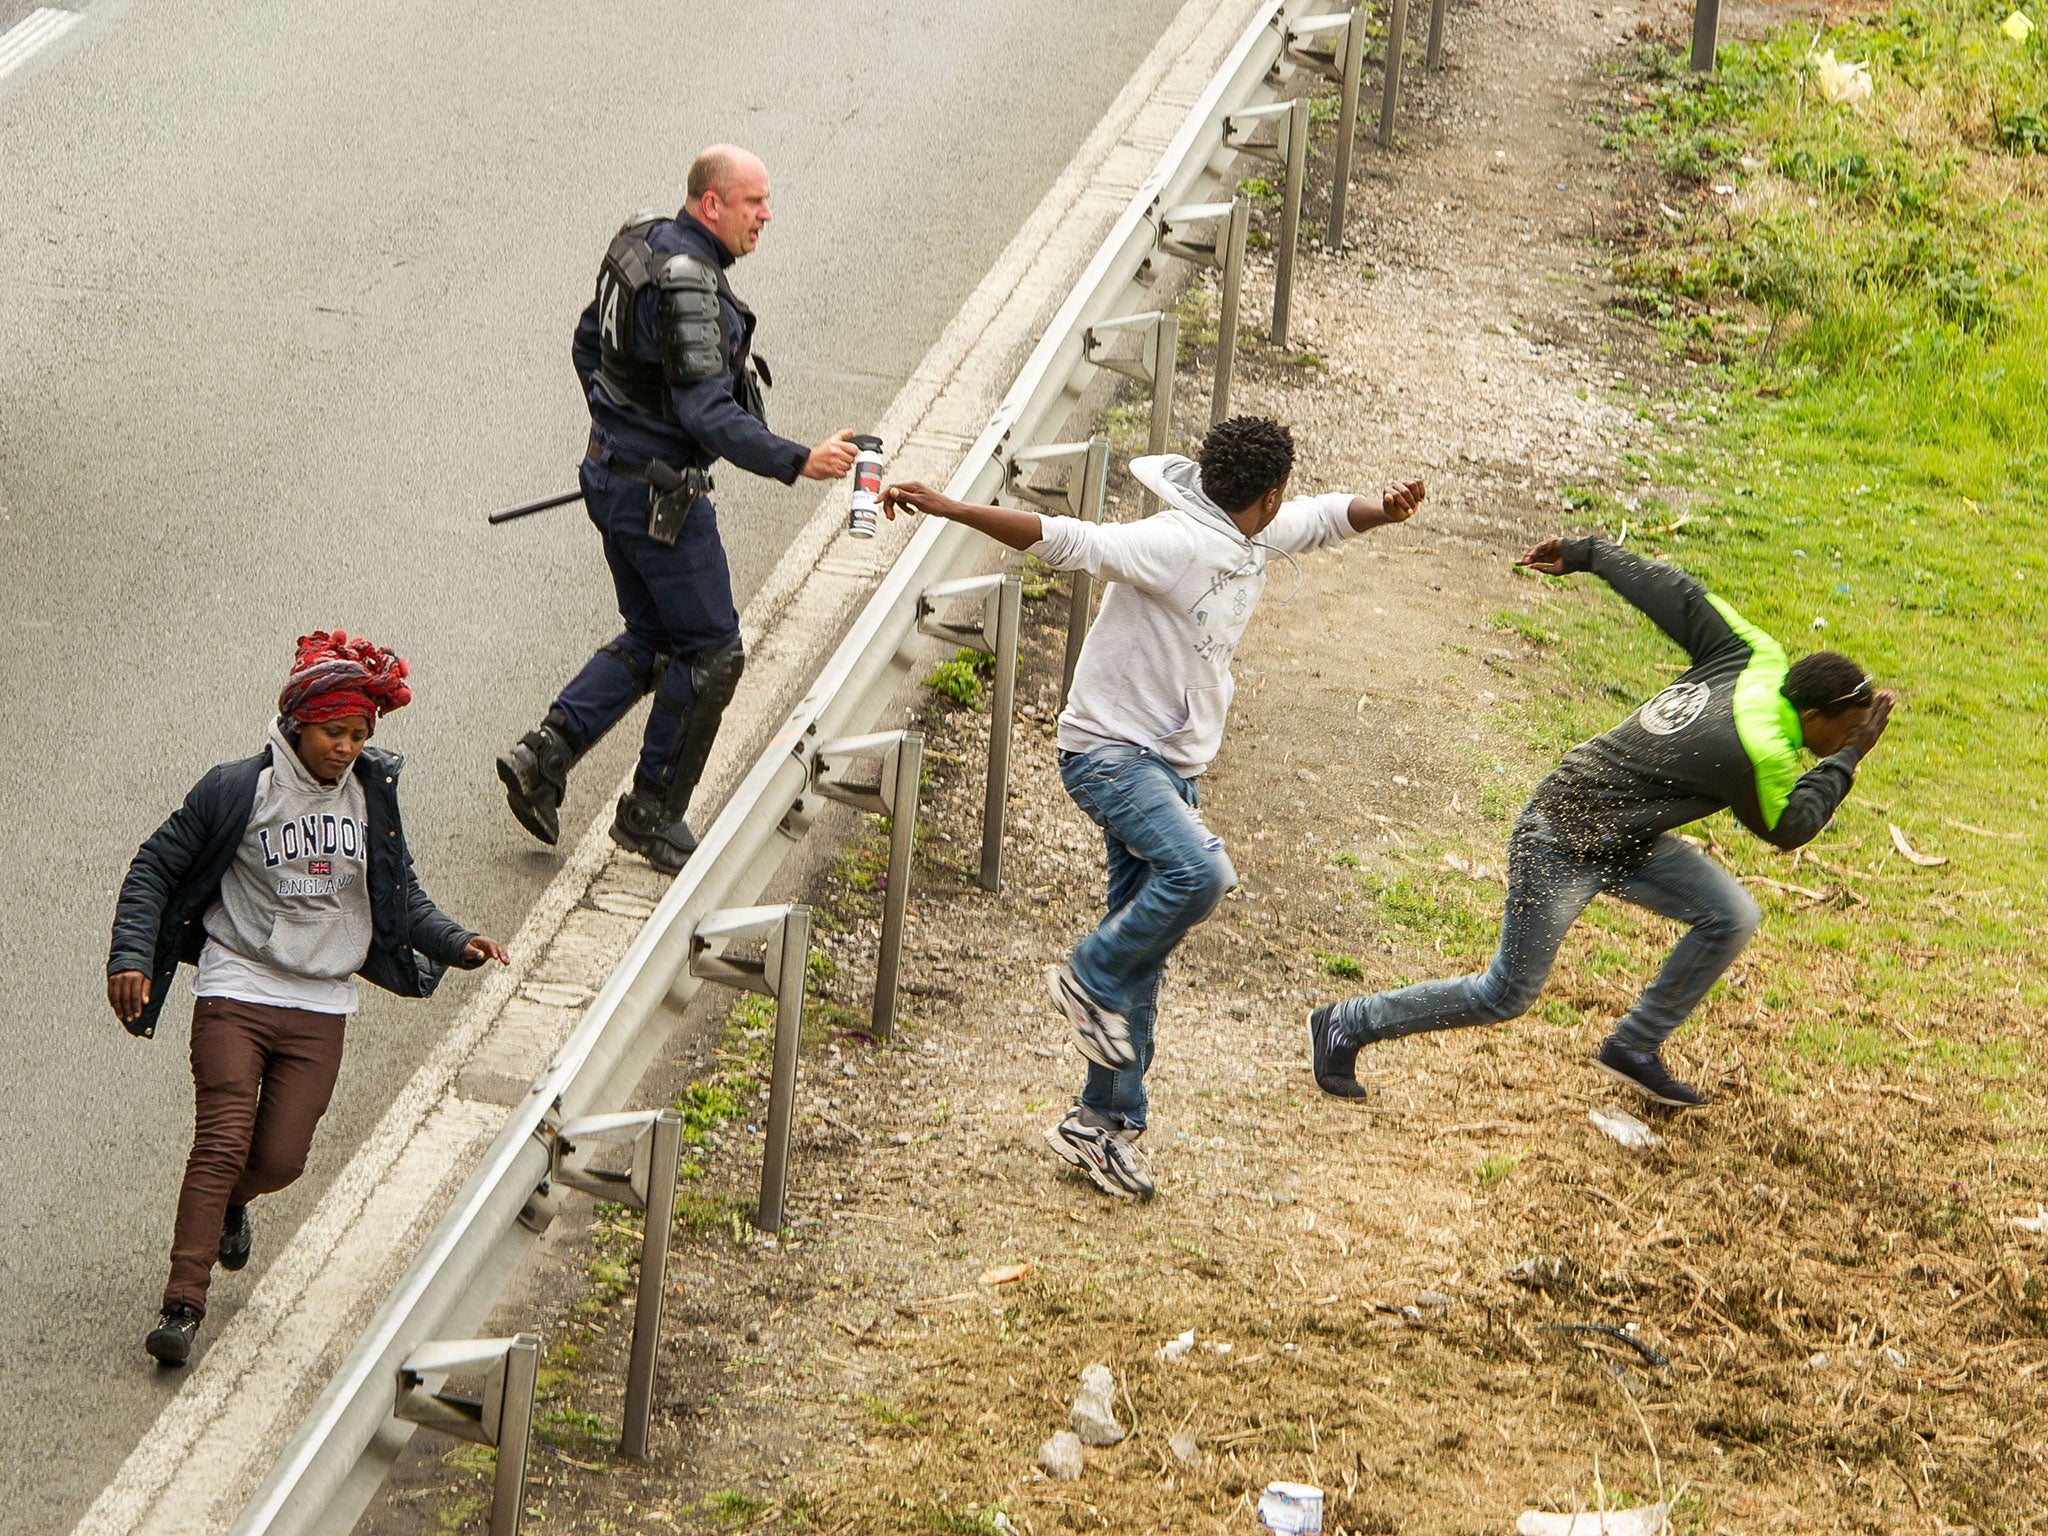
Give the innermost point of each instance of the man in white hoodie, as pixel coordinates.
(1144, 721)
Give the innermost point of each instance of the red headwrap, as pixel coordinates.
(334, 677)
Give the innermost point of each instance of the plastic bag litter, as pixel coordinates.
(1292, 1509)
(1176, 1349)
(2038, 1222)
(1623, 1127)
(1646, 1521)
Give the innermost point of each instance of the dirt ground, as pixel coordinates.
(1817, 1316)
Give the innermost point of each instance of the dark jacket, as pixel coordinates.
(711, 420)
(1723, 734)
(176, 874)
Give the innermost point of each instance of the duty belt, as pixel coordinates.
(691, 481)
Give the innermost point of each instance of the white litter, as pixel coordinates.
(1061, 1457)
(1623, 1127)
(2038, 1222)
(1176, 1349)
(1291, 1508)
(1646, 1521)
(1093, 1416)
(1183, 1444)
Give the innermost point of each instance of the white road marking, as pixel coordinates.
(189, 1475)
(30, 35)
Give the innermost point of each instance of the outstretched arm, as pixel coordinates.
(1006, 525)
(1676, 603)
(1316, 522)
(1151, 555)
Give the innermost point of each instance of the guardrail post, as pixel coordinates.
(1346, 65)
(1001, 618)
(647, 1185)
(784, 934)
(1706, 34)
(1289, 149)
(1437, 8)
(1390, 89)
(502, 1417)
(1229, 224)
(894, 795)
(1158, 352)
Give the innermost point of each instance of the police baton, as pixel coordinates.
(657, 474)
(506, 514)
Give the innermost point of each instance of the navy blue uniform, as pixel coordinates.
(676, 602)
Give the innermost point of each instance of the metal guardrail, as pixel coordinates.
(332, 1464)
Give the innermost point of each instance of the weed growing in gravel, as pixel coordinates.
(963, 679)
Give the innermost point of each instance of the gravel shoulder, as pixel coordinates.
(1390, 1301)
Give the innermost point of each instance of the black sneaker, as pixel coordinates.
(237, 1233)
(170, 1341)
(1644, 1071)
(1335, 1060)
(641, 827)
(1104, 1154)
(1101, 1035)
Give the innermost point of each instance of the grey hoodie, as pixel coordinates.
(1155, 670)
(292, 923)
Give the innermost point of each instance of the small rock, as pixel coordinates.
(847, 1070)
(1185, 1447)
(1093, 1415)
(1176, 1348)
(753, 1333)
(1432, 1299)
(1817, 1363)
(1060, 1457)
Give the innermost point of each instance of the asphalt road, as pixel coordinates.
(285, 303)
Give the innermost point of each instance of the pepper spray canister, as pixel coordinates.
(867, 487)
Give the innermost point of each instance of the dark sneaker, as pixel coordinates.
(170, 1341)
(535, 772)
(641, 827)
(1107, 1156)
(1644, 1072)
(1100, 1035)
(237, 1233)
(1334, 1059)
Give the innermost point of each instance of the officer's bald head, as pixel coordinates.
(720, 167)
(728, 191)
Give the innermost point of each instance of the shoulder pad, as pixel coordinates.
(689, 273)
(692, 324)
(642, 220)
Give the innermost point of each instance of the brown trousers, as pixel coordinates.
(262, 1077)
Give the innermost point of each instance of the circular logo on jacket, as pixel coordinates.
(1673, 709)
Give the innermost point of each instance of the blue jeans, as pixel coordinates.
(1167, 871)
(676, 603)
(1547, 890)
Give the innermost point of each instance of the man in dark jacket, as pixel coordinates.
(282, 878)
(1727, 734)
(665, 355)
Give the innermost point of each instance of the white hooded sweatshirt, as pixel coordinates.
(1155, 670)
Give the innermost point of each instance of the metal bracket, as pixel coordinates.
(784, 933)
(1299, 35)
(1002, 619)
(647, 1184)
(1390, 86)
(502, 1416)
(1159, 350)
(894, 795)
(1230, 224)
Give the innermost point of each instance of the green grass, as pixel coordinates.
(1873, 482)
(963, 679)
(1494, 1169)
(1344, 967)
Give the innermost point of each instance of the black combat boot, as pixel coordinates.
(237, 1236)
(170, 1341)
(536, 775)
(644, 826)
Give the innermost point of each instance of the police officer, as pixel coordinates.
(665, 354)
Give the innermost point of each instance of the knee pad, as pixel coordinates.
(715, 673)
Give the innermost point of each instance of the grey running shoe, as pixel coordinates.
(1644, 1071)
(170, 1341)
(237, 1236)
(1100, 1035)
(1335, 1060)
(1107, 1156)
